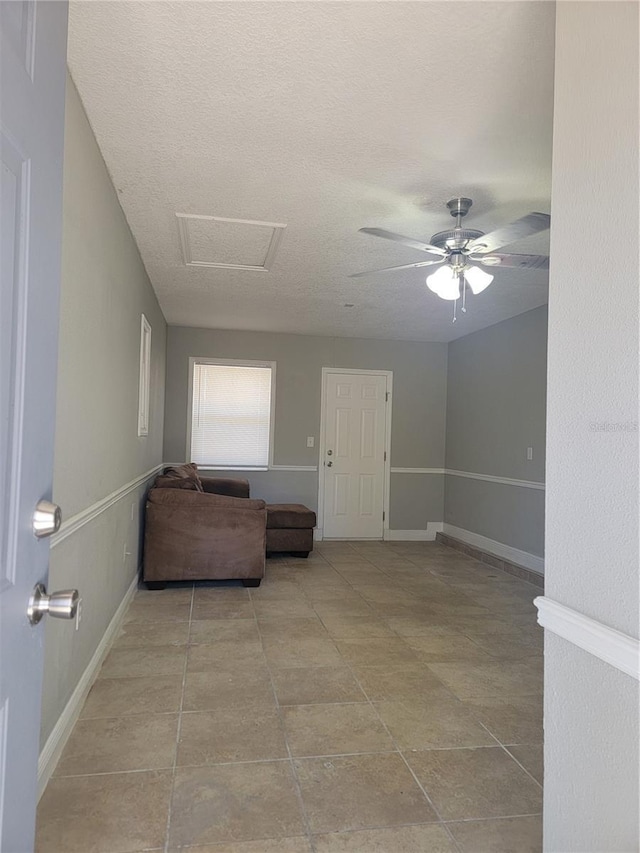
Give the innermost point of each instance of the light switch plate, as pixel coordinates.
(310, 441)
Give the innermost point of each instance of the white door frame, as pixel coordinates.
(319, 535)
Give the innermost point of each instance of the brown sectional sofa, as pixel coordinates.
(194, 533)
(208, 528)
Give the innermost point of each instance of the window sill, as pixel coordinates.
(211, 468)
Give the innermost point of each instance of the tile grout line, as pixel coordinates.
(450, 584)
(406, 763)
(441, 822)
(520, 764)
(397, 749)
(296, 757)
(512, 757)
(493, 817)
(179, 726)
(283, 728)
(396, 634)
(376, 609)
(348, 665)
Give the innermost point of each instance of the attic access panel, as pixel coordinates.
(237, 244)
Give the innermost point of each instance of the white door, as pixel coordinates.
(32, 85)
(355, 406)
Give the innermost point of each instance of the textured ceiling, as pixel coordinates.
(326, 116)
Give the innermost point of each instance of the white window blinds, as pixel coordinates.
(231, 415)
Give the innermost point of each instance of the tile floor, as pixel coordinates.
(375, 698)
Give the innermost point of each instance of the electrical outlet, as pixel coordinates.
(529, 454)
(79, 614)
(311, 441)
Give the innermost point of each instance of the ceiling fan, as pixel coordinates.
(460, 249)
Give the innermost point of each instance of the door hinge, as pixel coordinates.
(386, 397)
(385, 456)
(383, 515)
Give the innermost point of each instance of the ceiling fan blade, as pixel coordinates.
(406, 241)
(525, 262)
(393, 269)
(532, 223)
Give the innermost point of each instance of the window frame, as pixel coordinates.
(144, 377)
(235, 362)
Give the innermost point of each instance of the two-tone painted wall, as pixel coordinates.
(463, 417)
(102, 466)
(496, 411)
(418, 417)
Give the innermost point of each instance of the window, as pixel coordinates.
(145, 376)
(231, 413)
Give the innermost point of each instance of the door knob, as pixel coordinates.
(329, 452)
(329, 464)
(46, 519)
(62, 604)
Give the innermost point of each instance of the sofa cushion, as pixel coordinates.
(187, 473)
(226, 486)
(162, 482)
(195, 500)
(289, 515)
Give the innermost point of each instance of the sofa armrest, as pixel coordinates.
(226, 486)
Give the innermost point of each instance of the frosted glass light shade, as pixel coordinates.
(477, 279)
(445, 283)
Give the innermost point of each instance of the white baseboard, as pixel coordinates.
(611, 646)
(499, 549)
(427, 535)
(59, 736)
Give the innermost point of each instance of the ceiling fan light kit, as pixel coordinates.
(445, 282)
(477, 279)
(458, 246)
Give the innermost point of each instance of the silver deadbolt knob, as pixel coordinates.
(329, 452)
(46, 519)
(62, 604)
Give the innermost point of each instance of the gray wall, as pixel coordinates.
(104, 291)
(496, 389)
(419, 402)
(591, 708)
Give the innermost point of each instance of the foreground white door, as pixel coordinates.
(33, 66)
(355, 407)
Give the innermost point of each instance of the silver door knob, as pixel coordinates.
(329, 452)
(47, 519)
(329, 464)
(62, 604)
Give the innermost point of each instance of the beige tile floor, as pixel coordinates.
(375, 698)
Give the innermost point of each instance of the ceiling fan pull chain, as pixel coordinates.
(455, 302)
(463, 285)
